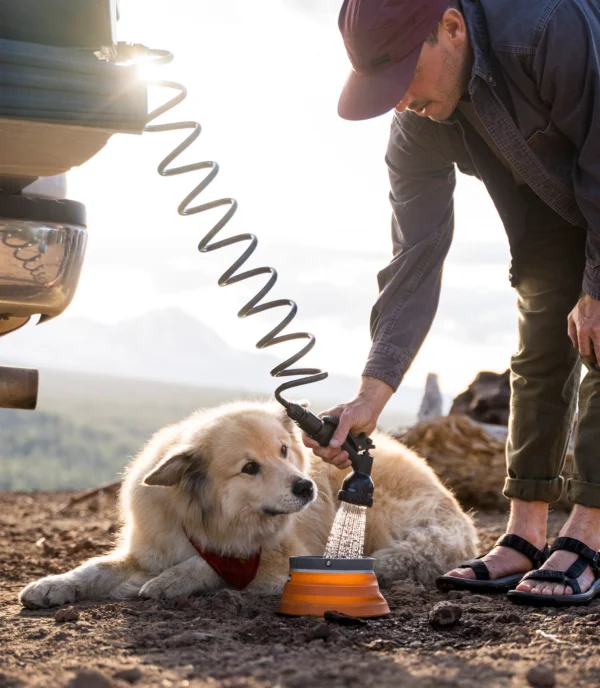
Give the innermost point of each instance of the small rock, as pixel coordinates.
(230, 601)
(541, 675)
(458, 594)
(381, 644)
(61, 635)
(507, 617)
(445, 614)
(345, 619)
(481, 599)
(129, 611)
(188, 638)
(129, 675)
(88, 678)
(67, 614)
(321, 631)
(278, 649)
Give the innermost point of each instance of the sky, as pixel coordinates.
(263, 80)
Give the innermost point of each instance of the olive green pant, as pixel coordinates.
(546, 370)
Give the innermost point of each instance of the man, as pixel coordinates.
(508, 91)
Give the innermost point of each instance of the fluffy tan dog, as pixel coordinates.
(237, 483)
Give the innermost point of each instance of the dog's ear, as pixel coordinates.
(170, 470)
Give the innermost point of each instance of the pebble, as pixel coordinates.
(321, 631)
(188, 638)
(482, 599)
(130, 675)
(445, 614)
(458, 594)
(67, 614)
(88, 678)
(542, 676)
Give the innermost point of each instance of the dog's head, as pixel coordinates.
(241, 467)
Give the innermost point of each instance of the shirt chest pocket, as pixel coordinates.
(554, 151)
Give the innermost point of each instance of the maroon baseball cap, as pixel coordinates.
(384, 40)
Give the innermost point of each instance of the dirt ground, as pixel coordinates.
(231, 639)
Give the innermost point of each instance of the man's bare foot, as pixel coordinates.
(584, 525)
(527, 519)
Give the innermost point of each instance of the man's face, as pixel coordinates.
(443, 71)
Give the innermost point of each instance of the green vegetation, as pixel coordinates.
(87, 428)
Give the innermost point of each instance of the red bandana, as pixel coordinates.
(237, 571)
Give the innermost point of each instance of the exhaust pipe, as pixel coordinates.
(18, 388)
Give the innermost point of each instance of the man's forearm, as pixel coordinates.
(375, 392)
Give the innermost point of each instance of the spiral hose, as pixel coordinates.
(207, 243)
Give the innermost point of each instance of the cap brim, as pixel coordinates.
(369, 95)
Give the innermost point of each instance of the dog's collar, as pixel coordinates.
(237, 571)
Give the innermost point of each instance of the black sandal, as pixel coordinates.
(587, 557)
(482, 581)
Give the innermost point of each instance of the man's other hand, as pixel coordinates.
(584, 328)
(358, 415)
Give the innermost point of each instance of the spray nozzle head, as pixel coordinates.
(357, 489)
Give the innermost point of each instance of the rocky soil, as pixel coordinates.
(234, 640)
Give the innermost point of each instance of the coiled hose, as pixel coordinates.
(357, 488)
(207, 243)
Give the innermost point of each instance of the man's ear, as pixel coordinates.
(170, 470)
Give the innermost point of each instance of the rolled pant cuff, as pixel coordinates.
(586, 494)
(534, 490)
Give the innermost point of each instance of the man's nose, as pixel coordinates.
(402, 105)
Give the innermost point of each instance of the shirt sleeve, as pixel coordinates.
(422, 188)
(568, 78)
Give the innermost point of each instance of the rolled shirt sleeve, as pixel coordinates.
(568, 78)
(422, 188)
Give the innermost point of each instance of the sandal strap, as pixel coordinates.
(516, 542)
(479, 568)
(591, 557)
(555, 577)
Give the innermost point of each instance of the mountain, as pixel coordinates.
(166, 346)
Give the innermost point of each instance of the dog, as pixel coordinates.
(226, 496)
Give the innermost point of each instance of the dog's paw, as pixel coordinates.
(165, 587)
(52, 591)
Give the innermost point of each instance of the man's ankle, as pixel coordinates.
(529, 520)
(584, 525)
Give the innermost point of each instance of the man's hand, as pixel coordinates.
(358, 415)
(584, 328)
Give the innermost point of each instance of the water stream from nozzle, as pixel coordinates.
(347, 536)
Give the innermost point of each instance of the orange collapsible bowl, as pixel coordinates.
(317, 585)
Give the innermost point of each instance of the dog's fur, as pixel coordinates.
(189, 479)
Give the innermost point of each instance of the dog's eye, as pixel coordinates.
(251, 468)
(283, 450)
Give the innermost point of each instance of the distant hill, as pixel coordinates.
(168, 346)
(105, 389)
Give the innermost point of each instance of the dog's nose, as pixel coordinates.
(303, 488)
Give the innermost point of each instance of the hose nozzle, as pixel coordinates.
(358, 487)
